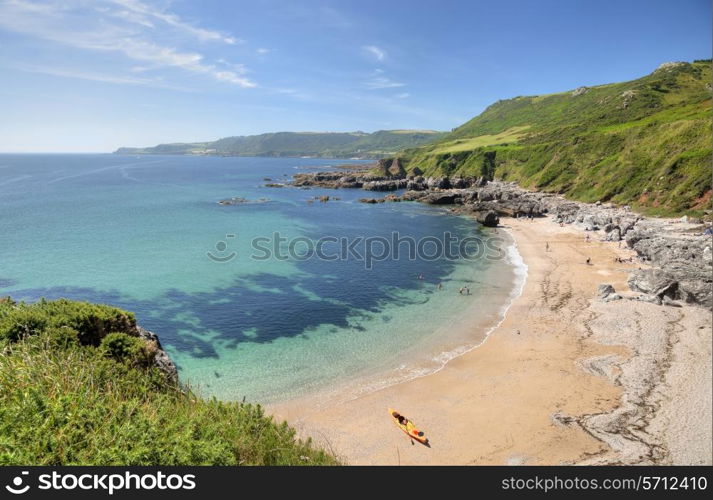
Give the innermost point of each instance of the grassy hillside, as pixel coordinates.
(646, 143)
(77, 387)
(322, 144)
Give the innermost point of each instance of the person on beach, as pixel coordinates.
(589, 261)
(402, 420)
(460, 291)
(547, 247)
(440, 286)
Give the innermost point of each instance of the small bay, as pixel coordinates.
(146, 233)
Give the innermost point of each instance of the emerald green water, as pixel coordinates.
(136, 231)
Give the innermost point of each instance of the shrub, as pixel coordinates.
(62, 337)
(91, 321)
(18, 323)
(123, 348)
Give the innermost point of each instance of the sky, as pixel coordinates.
(94, 75)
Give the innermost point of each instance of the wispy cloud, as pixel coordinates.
(377, 53)
(382, 82)
(143, 12)
(262, 51)
(403, 95)
(100, 77)
(130, 32)
(294, 93)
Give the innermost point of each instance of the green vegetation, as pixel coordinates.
(288, 144)
(471, 143)
(78, 387)
(646, 143)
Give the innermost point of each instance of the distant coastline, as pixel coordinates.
(352, 145)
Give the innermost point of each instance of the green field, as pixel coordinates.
(456, 145)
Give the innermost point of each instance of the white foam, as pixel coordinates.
(514, 258)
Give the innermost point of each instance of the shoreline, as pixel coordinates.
(563, 378)
(415, 365)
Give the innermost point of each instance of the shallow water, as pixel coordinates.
(136, 232)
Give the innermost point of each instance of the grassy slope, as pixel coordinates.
(646, 143)
(71, 393)
(325, 144)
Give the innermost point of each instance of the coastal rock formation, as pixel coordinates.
(240, 201)
(416, 184)
(653, 282)
(488, 218)
(682, 264)
(606, 293)
(333, 180)
(391, 168)
(161, 358)
(442, 198)
(385, 185)
(438, 182)
(396, 170)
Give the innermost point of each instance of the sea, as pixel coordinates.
(272, 296)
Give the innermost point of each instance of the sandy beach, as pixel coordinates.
(564, 379)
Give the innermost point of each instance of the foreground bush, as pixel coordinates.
(64, 401)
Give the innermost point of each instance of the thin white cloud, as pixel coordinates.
(382, 82)
(98, 77)
(294, 93)
(240, 69)
(70, 26)
(403, 95)
(376, 52)
(262, 51)
(128, 16)
(141, 11)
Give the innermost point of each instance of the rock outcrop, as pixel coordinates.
(385, 185)
(396, 169)
(606, 293)
(488, 218)
(240, 201)
(161, 358)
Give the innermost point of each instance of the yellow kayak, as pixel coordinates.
(410, 428)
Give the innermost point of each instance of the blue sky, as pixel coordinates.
(93, 75)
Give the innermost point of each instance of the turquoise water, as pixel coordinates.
(136, 232)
